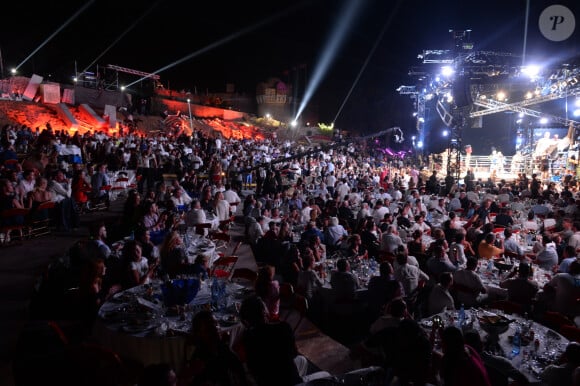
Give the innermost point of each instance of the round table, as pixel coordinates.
(137, 325)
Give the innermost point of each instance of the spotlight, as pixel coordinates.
(576, 113)
(13, 71)
(420, 144)
(445, 133)
(122, 88)
(500, 96)
(577, 103)
(294, 123)
(268, 115)
(529, 95)
(543, 121)
(447, 71)
(532, 71)
(519, 121)
(521, 115)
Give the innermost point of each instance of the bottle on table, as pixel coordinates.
(517, 342)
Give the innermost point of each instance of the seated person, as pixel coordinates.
(440, 298)
(212, 361)
(521, 289)
(270, 348)
(468, 285)
(562, 374)
(343, 282)
(200, 267)
(499, 369)
(382, 289)
(510, 243)
(173, 257)
(487, 248)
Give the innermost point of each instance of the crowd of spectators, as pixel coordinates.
(348, 204)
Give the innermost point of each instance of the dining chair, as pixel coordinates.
(300, 305)
(236, 247)
(286, 299)
(572, 333)
(507, 307)
(244, 276)
(556, 320)
(223, 266)
(200, 228)
(41, 216)
(221, 239)
(16, 227)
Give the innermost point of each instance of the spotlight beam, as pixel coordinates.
(70, 19)
(350, 10)
(147, 12)
(225, 40)
(371, 53)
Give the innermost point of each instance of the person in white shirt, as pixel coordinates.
(343, 188)
(420, 225)
(232, 197)
(196, 215)
(407, 274)
(440, 298)
(221, 207)
(379, 212)
(574, 240)
(330, 182)
(468, 284)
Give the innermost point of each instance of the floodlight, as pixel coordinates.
(447, 71)
(531, 71)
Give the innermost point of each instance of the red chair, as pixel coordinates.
(223, 267)
(245, 276)
(572, 333)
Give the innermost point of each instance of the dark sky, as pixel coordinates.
(296, 39)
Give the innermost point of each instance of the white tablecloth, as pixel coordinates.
(200, 244)
(163, 338)
(552, 344)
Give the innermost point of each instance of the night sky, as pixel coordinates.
(277, 38)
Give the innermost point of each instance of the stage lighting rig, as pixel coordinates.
(463, 84)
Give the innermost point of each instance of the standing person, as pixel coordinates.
(147, 164)
(61, 190)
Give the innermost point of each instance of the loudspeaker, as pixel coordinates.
(461, 92)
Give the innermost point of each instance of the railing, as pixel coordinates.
(483, 165)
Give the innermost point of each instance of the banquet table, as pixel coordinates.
(138, 325)
(537, 351)
(198, 244)
(491, 278)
